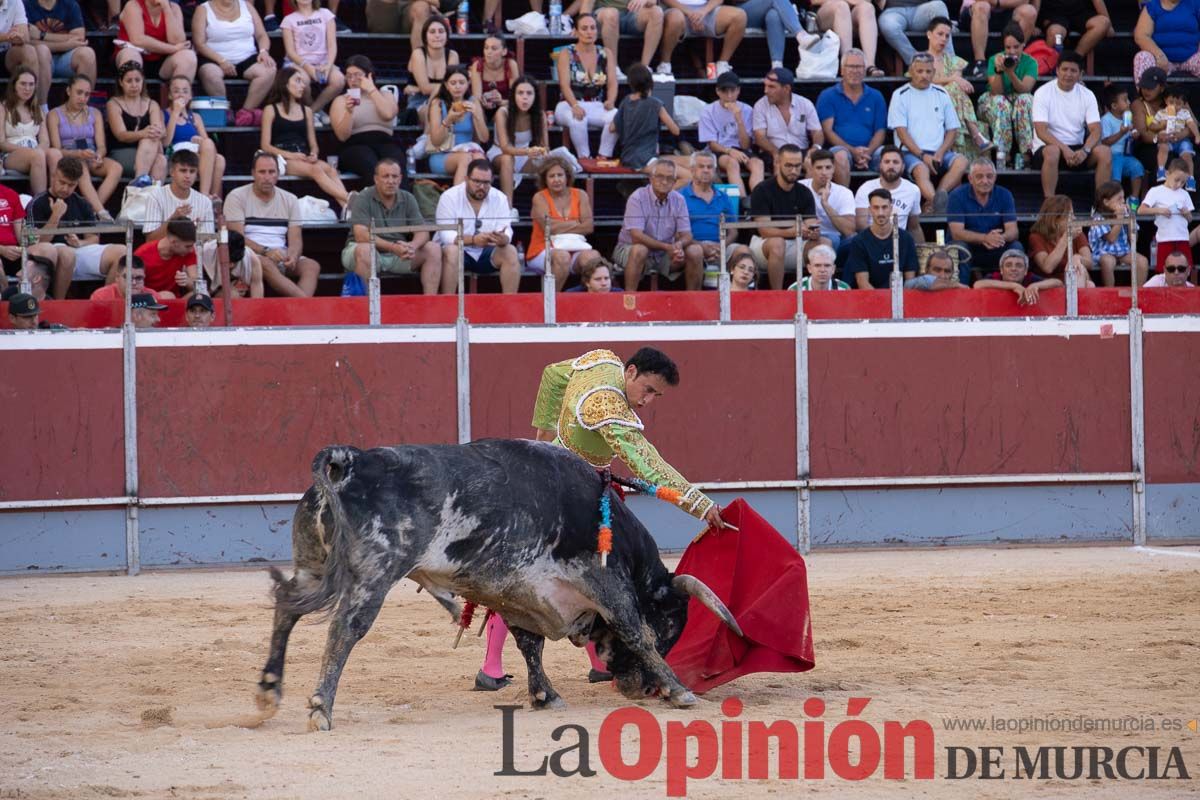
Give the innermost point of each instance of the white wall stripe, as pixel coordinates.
(236, 337)
(594, 332)
(1172, 324)
(60, 340)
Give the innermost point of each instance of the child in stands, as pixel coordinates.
(1177, 134)
(1171, 203)
(637, 123)
(1114, 132)
(1110, 241)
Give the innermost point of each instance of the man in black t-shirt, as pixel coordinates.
(870, 255)
(782, 197)
(81, 257)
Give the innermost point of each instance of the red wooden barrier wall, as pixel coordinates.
(642, 307)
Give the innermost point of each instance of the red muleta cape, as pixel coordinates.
(763, 581)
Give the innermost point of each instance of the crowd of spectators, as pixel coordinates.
(842, 182)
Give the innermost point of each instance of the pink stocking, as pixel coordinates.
(597, 664)
(493, 660)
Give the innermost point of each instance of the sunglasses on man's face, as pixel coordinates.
(1173, 269)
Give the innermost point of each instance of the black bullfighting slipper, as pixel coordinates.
(486, 683)
(596, 676)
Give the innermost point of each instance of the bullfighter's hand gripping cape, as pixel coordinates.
(755, 571)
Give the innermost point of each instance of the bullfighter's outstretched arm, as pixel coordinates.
(551, 391)
(608, 413)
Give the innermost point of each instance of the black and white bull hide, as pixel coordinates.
(509, 524)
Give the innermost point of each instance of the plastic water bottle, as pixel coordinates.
(556, 26)
(1127, 121)
(411, 163)
(1058, 42)
(464, 15)
(520, 255)
(1019, 161)
(1001, 159)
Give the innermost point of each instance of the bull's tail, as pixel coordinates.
(331, 466)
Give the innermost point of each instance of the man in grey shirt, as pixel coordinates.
(386, 205)
(657, 233)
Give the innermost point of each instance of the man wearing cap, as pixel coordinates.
(726, 129)
(783, 117)
(853, 118)
(199, 311)
(145, 310)
(1066, 126)
(23, 311)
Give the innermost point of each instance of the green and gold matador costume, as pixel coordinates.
(584, 402)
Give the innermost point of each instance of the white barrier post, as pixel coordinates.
(1072, 280)
(133, 559)
(896, 279)
(1133, 270)
(549, 283)
(803, 494)
(725, 311)
(374, 309)
(462, 342)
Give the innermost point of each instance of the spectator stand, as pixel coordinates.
(390, 52)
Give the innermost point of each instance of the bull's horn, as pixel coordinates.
(690, 584)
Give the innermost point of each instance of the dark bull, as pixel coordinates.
(508, 524)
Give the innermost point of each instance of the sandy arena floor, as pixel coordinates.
(132, 687)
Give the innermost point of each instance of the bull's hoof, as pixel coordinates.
(268, 697)
(318, 716)
(682, 699)
(543, 701)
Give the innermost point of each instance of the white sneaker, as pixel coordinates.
(775, 64)
(620, 75)
(723, 67)
(664, 69)
(806, 39)
(321, 119)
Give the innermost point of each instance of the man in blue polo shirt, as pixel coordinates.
(854, 119)
(983, 218)
(705, 205)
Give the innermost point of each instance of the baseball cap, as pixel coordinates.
(781, 75)
(1153, 78)
(728, 80)
(146, 300)
(23, 305)
(201, 300)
